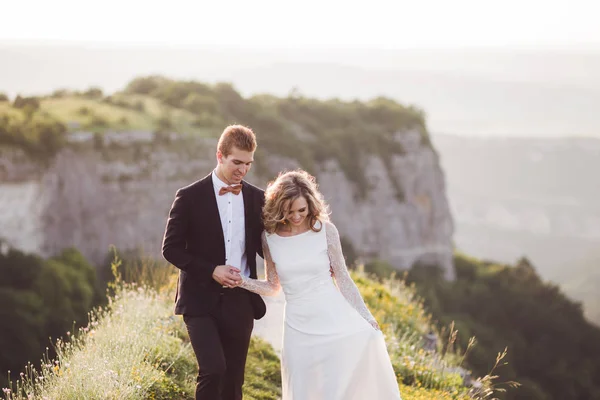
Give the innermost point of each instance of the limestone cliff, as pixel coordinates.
(119, 193)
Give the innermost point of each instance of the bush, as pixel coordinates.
(26, 102)
(60, 93)
(93, 93)
(97, 121)
(39, 136)
(84, 111)
(146, 85)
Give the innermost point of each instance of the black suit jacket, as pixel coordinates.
(194, 243)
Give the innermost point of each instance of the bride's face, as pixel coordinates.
(298, 212)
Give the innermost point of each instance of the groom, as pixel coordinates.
(212, 236)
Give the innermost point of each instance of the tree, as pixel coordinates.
(93, 93)
(551, 345)
(41, 299)
(23, 102)
(146, 85)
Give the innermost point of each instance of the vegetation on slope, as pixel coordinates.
(136, 349)
(308, 130)
(554, 351)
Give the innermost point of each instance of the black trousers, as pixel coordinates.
(220, 341)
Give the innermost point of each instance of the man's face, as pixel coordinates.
(235, 166)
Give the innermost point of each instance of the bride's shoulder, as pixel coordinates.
(330, 229)
(331, 234)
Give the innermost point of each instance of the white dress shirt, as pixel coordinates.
(231, 211)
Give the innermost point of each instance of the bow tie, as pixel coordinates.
(235, 189)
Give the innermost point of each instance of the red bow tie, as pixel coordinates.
(235, 189)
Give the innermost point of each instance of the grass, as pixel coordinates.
(131, 350)
(404, 321)
(7, 109)
(135, 348)
(84, 111)
(183, 120)
(99, 115)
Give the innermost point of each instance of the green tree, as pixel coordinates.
(41, 299)
(93, 93)
(23, 102)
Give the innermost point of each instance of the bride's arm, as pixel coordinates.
(271, 286)
(342, 277)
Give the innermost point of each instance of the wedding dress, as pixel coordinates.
(330, 349)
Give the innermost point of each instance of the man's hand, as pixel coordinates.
(227, 276)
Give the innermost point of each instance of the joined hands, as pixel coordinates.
(227, 276)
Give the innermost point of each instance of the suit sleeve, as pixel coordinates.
(174, 248)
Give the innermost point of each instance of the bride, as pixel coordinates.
(333, 348)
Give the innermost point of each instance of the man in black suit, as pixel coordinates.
(213, 234)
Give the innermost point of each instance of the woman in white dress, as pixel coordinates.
(333, 348)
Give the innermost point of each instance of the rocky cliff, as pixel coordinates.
(93, 195)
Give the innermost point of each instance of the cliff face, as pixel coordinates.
(92, 196)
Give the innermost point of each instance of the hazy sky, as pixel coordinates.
(310, 23)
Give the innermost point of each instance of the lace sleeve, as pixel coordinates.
(269, 287)
(342, 277)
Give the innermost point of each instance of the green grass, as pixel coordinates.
(137, 349)
(404, 321)
(69, 109)
(7, 109)
(99, 115)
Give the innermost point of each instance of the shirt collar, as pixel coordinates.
(218, 183)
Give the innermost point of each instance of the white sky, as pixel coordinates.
(307, 23)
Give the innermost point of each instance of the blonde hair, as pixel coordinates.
(238, 136)
(284, 190)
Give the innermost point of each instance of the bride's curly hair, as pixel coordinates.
(283, 191)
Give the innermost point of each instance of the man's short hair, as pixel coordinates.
(239, 136)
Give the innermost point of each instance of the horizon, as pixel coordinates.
(466, 92)
(584, 46)
(477, 69)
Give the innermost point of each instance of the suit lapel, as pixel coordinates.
(248, 207)
(213, 218)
